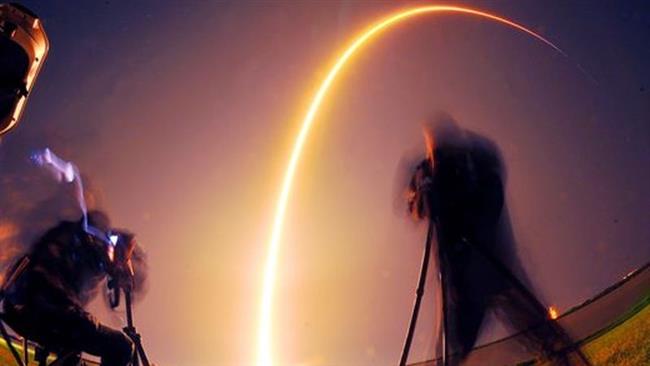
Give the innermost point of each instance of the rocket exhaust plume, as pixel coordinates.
(264, 346)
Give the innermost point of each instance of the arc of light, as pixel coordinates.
(264, 332)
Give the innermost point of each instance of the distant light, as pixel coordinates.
(553, 313)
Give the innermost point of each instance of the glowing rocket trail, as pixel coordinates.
(264, 332)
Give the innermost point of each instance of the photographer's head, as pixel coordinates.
(99, 220)
(95, 227)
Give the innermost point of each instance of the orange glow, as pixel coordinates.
(429, 142)
(553, 313)
(264, 346)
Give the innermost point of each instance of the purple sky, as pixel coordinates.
(182, 115)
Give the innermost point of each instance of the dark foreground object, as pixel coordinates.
(46, 301)
(459, 190)
(587, 321)
(23, 48)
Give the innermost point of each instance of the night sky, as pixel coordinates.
(182, 114)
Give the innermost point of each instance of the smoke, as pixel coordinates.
(32, 202)
(63, 172)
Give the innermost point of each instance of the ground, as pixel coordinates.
(625, 344)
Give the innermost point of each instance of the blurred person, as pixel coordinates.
(459, 188)
(62, 272)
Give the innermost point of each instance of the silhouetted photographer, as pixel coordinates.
(48, 289)
(459, 189)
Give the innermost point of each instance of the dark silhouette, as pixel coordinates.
(60, 274)
(23, 49)
(459, 188)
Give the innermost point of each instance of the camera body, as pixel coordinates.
(119, 248)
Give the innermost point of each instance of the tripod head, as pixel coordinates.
(119, 250)
(121, 281)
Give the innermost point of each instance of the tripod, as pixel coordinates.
(419, 292)
(502, 269)
(139, 355)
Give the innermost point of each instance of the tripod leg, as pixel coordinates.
(531, 299)
(418, 297)
(10, 344)
(25, 351)
(40, 356)
(445, 318)
(142, 354)
(139, 354)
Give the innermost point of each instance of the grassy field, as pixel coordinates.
(627, 344)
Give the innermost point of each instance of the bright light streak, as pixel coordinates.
(264, 331)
